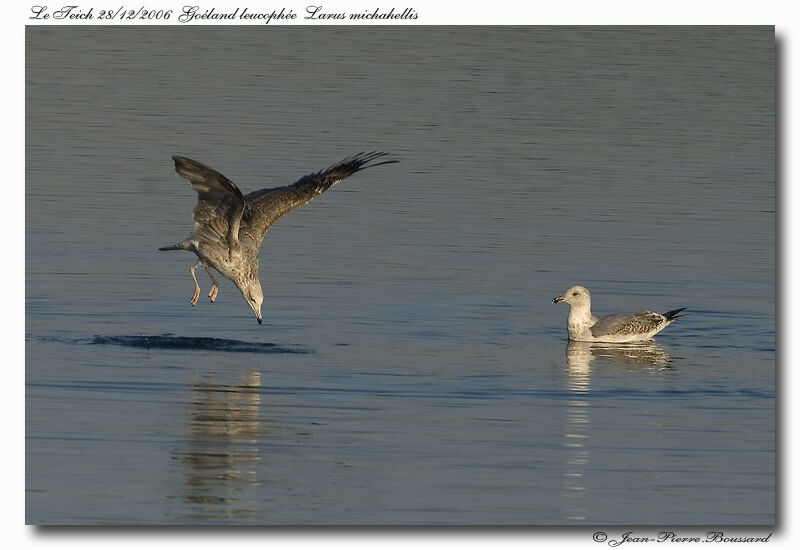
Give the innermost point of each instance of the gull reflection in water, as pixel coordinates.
(643, 354)
(576, 442)
(647, 356)
(222, 449)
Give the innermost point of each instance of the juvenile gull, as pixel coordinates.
(229, 226)
(582, 326)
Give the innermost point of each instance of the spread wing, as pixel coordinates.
(263, 208)
(219, 203)
(639, 323)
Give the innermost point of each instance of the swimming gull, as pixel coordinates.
(582, 326)
(229, 226)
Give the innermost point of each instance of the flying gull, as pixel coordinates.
(229, 226)
(582, 326)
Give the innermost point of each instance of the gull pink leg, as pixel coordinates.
(196, 286)
(212, 294)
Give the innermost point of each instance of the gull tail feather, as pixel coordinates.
(174, 247)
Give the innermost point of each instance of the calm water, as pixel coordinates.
(411, 368)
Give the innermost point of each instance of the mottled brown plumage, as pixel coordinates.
(229, 226)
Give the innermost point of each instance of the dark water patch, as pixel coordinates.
(192, 343)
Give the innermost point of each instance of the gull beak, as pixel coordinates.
(558, 299)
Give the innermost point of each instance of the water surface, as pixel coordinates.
(411, 368)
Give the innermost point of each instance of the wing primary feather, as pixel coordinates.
(266, 206)
(674, 314)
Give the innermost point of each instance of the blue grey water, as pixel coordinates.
(411, 368)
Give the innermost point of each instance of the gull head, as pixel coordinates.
(575, 296)
(251, 291)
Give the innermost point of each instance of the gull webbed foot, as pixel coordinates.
(212, 294)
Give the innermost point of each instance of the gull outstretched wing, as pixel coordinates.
(264, 207)
(220, 204)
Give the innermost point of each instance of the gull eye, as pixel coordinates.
(574, 293)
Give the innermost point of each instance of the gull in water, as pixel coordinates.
(229, 226)
(582, 326)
